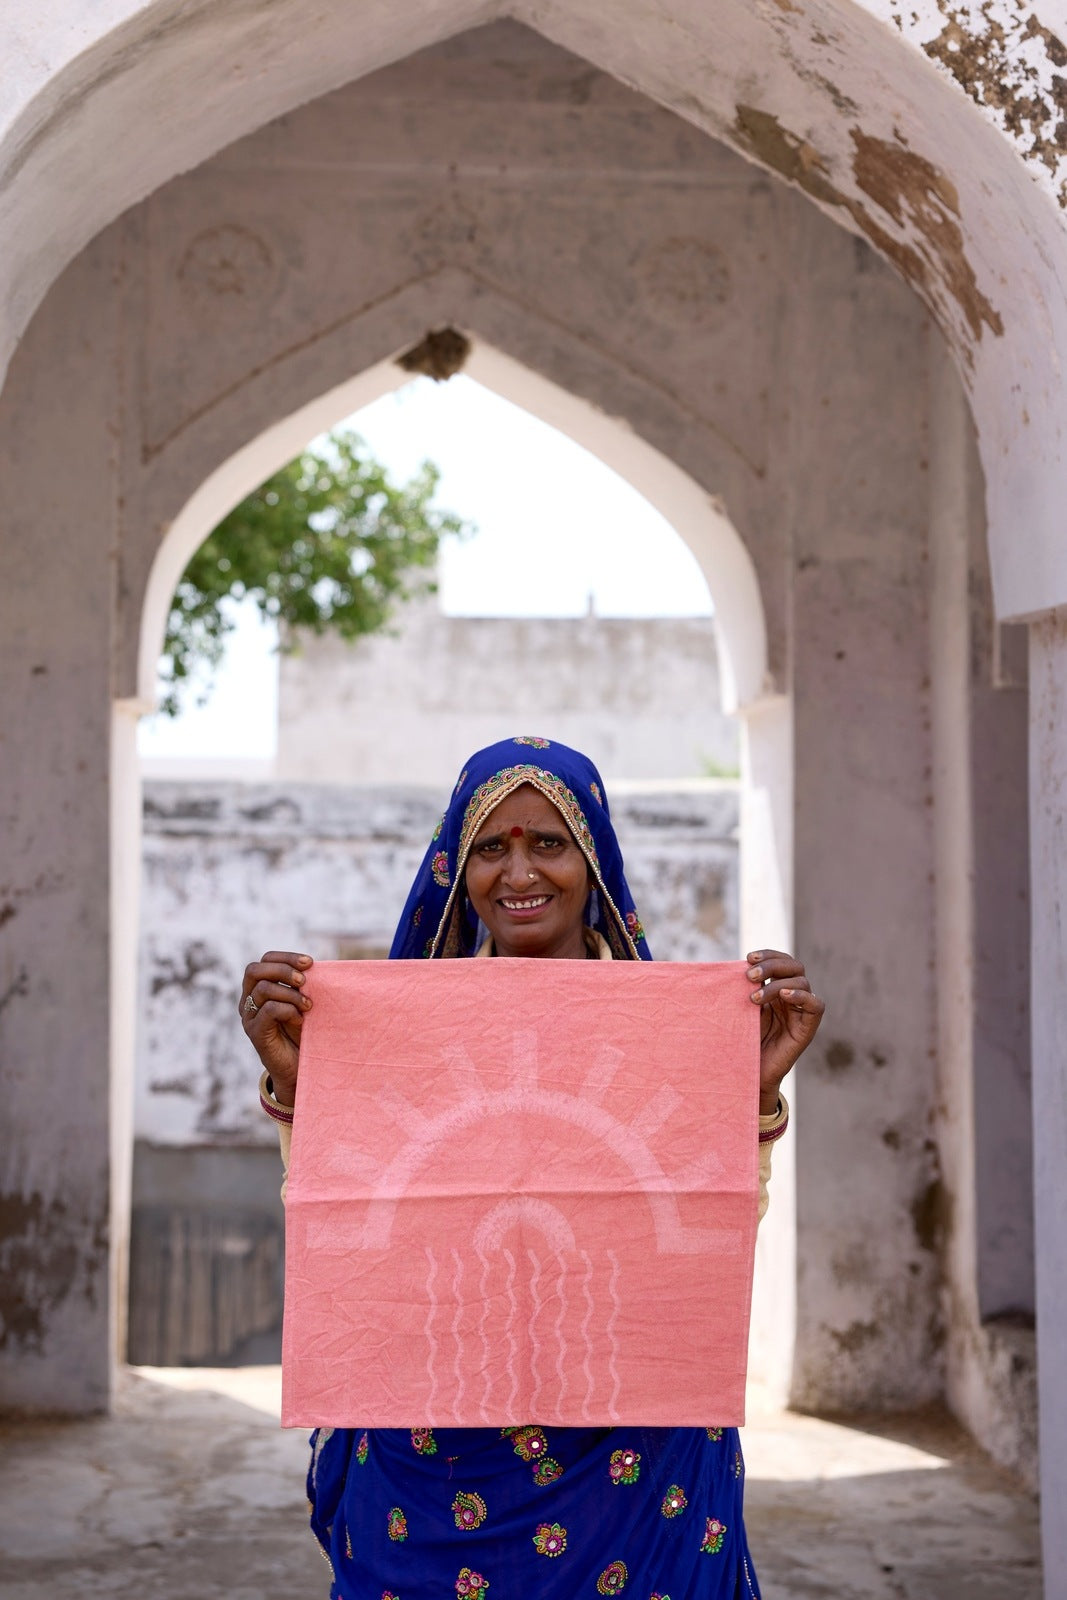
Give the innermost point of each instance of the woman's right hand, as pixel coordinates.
(272, 1014)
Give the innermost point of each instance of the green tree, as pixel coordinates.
(327, 543)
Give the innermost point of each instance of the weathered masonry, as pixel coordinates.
(797, 268)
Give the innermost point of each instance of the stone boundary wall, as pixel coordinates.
(640, 695)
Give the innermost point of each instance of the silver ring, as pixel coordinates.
(250, 1006)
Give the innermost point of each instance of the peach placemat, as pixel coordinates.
(522, 1191)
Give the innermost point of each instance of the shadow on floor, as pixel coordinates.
(191, 1491)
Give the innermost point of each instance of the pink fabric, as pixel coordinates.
(522, 1191)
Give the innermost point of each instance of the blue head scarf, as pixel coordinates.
(438, 921)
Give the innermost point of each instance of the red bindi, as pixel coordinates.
(516, 833)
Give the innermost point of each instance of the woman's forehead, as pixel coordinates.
(525, 807)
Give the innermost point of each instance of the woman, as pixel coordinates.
(525, 862)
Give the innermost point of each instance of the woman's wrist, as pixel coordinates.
(268, 1099)
(773, 1123)
(769, 1101)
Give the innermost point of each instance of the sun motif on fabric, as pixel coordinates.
(526, 738)
(547, 1470)
(714, 1434)
(469, 1511)
(471, 1585)
(655, 1145)
(398, 1525)
(440, 869)
(423, 1441)
(613, 1578)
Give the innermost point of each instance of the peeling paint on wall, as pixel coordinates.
(915, 195)
(1009, 63)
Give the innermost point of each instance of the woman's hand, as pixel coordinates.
(272, 1014)
(789, 1018)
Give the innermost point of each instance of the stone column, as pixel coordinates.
(1048, 887)
(766, 896)
(58, 507)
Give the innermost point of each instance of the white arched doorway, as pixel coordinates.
(764, 715)
(591, 349)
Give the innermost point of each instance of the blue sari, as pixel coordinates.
(524, 1512)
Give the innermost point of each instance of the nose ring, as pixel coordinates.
(531, 875)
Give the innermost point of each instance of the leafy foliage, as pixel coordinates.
(329, 543)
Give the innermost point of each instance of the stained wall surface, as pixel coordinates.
(498, 184)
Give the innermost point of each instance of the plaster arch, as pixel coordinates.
(155, 378)
(869, 806)
(697, 517)
(766, 716)
(884, 115)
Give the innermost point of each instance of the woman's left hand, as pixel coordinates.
(789, 1018)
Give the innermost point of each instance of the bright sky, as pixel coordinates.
(555, 526)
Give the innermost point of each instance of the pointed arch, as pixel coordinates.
(698, 516)
(849, 100)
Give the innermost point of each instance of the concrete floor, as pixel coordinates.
(190, 1491)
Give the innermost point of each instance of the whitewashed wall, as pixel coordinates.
(639, 695)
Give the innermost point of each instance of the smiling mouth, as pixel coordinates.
(533, 903)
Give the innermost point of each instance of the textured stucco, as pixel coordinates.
(1048, 824)
(579, 234)
(792, 377)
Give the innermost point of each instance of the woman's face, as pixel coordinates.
(527, 879)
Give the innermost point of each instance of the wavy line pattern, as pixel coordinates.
(613, 1343)
(561, 1351)
(431, 1336)
(535, 1341)
(513, 1341)
(483, 1294)
(587, 1349)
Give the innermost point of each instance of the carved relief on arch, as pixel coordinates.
(225, 266)
(447, 231)
(687, 280)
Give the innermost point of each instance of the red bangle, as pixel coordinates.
(270, 1105)
(768, 1135)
